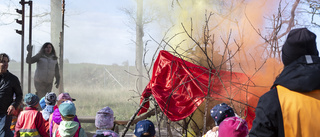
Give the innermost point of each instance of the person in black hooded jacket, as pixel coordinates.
(289, 109)
(9, 86)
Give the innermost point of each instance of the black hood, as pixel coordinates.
(299, 42)
(302, 75)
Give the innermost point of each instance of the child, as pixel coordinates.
(62, 97)
(219, 113)
(55, 117)
(104, 123)
(68, 127)
(42, 103)
(30, 121)
(233, 127)
(144, 128)
(50, 101)
(15, 115)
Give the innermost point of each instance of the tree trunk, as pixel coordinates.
(55, 23)
(56, 29)
(139, 42)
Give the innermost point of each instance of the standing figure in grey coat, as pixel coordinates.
(47, 68)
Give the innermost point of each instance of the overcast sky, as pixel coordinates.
(95, 31)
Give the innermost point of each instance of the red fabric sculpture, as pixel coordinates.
(179, 87)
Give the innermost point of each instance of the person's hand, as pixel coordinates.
(11, 109)
(57, 83)
(216, 128)
(29, 48)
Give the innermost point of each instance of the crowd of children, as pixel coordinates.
(58, 118)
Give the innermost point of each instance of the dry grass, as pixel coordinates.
(89, 101)
(93, 88)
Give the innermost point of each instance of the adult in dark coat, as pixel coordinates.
(9, 85)
(291, 107)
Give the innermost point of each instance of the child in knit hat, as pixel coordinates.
(42, 103)
(233, 127)
(55, 117)
(144, 128)
(68, 127)
(50, 101)
(30, 121)
(219, 113)
(104, 123)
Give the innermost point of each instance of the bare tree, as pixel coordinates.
(205, 52)
(139, 17)
(139, 42)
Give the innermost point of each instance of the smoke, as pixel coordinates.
(233, 26)
(234, 22)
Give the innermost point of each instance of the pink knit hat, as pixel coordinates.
(65, 96)
(233, 127)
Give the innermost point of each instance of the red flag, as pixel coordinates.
(179, 86)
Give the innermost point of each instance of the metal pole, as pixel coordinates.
(22, 44)
(30, 43)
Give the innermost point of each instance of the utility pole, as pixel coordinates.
(21, 32)
(30, 43)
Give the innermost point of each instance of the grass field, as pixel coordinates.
(94, 87)
(89, 101)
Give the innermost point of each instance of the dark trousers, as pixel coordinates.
(5, 123)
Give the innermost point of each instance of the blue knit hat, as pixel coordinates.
(42, 103)
(67, 108)
(31, 99)
(220, 112)
(144, 127)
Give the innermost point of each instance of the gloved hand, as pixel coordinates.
(57, 83)
(29, 48)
